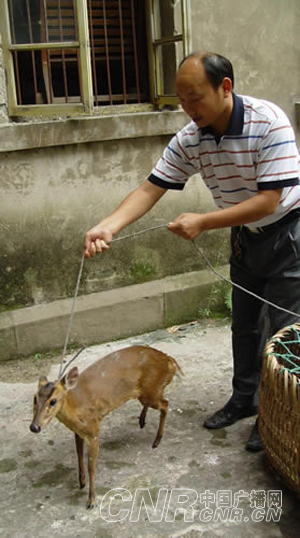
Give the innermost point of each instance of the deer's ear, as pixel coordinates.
(71, 378)
(42, 381)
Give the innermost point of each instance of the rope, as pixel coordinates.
(63, 360)
(134, 234)
(62, 371)
(70, 321)
(241, 287)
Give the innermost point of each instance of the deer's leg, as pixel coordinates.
(93, 450)
(142, 419)
(79, 448)
(162, 406)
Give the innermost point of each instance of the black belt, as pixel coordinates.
(292, 215)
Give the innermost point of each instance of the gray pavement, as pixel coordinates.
(192, 469)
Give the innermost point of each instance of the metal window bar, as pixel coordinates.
(136, 65)
(112, 28)
(113, 46)
(59, 22)
(122, 54)
(107, 54)
(63, 54)
(46, 64)
(32, 52)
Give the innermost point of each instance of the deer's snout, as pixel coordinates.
(35, 428)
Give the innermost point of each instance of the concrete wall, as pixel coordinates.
(261, 38)
(51, 196)
(58, 178)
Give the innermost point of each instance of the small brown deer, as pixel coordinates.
(81, 401)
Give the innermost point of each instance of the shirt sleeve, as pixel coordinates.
(176, 166)
(278, 157)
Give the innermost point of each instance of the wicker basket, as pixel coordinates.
(279, 406)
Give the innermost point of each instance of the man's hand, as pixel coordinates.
(97, 239)
(135, 205)
(188, 225)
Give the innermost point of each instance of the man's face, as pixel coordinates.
(198, 98)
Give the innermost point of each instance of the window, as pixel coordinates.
(75, 55)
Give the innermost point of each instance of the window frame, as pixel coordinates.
(87, 106)
(158, 98)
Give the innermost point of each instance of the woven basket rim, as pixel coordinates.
(269, 354)
(279, 411)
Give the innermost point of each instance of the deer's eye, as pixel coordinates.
(52, 402)
(35, 400)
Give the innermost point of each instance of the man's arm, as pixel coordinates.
(135, 205)
(190, 225)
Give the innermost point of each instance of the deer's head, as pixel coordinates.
(49, 398)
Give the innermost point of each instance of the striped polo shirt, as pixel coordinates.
(258, 151)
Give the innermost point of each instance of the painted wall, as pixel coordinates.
(261, 38)
(49, 196)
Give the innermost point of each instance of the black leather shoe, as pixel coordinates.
(254, 443)
(229, 414)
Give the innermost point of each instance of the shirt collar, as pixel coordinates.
(236, 122)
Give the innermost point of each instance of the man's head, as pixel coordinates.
(204, 85)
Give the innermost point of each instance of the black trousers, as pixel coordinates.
(268, 264)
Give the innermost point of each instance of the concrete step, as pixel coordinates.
(107, 315)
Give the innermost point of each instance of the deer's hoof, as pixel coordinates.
(156, 442)
(90, 504)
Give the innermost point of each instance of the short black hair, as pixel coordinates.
(217, 67)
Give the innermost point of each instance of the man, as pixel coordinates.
(245, 150)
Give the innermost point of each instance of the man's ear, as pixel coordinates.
(227, 86)
(70, 379)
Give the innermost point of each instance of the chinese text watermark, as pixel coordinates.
(163, 504)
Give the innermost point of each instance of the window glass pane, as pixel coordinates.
(118, 51)
(28, 77)
(168, 58)
(39, 21)
(58, 20)
(24, 21)
(167, 19)
(44, 77)
(61, 76)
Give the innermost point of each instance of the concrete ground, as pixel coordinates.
(39, 495)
